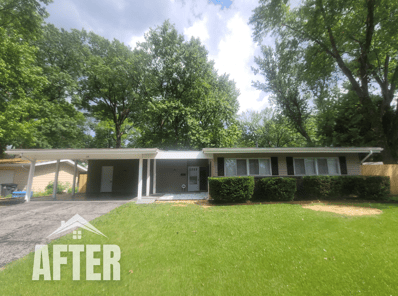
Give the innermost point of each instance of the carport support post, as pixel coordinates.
(148, 176)
(154, 177)
(74, 179)
(140, 166)
(55, 187)
(30, 180)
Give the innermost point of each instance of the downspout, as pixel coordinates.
(367, 156)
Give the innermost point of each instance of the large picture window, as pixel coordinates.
(247, 167)
(316, 166)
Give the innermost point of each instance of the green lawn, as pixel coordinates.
(278, 249)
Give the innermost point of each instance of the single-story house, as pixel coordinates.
(146, 171)
(16, 170)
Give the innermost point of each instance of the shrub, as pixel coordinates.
(61, 187)
(70, 190)
(276, 188)
(364, 187)
(231, 189)
(317, 186)
(374, 188)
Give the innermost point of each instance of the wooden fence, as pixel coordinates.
(82, 183)
(390, 170)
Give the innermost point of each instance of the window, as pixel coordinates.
(241, 167)
(316, 166)
(246, 167)
(230, 167)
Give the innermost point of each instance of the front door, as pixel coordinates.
(193, 178)
(106, 179)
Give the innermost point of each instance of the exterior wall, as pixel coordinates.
(125, 175)
(168, 173)
(46, 173)
(43, 175)
(390, 170)
(352, 160)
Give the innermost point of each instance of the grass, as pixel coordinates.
(274, 249)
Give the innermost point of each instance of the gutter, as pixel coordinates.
(367, 156)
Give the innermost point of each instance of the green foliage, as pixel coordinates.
(70, 190)
(231, 189)
(364, 187)
(282, 73)
(61, 187)
(23, 16)
(341, 41)
(276, 189)
(112, 87)
(268, 129)
(192, 106)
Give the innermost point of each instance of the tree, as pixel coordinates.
(283, 81)
(352, 39)
(267, 128)
(191, 105)
(25, 17)
(62, 56)
(112, 84)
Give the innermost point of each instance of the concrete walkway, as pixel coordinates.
(23, 225)
(184, 196)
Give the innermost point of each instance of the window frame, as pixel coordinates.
(316, 165)
(247, 166)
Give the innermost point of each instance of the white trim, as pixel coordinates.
(182, 155)
(55, 185)
(294, 150)
(154, 177)
(139, 189)
(74, 178)
(108, 153)
(148, 177)
(30, 181)
(316, 165)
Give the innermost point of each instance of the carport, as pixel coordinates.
(127, 167)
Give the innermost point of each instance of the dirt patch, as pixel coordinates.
(345, 210)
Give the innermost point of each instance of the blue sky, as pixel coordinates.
(225, 32)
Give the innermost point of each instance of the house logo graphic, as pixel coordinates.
(77, 221)
(111, 255)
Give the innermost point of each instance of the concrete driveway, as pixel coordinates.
(23, 225)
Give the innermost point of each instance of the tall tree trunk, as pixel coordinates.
(118, 137)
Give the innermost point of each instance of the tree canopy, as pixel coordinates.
(191, 105)
(355, 41)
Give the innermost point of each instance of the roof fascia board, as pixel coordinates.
(291, 150)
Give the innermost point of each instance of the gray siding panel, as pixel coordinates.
(125, 175)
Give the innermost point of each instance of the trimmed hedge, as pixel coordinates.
(364, 187)
(276, 189)
(231, 189)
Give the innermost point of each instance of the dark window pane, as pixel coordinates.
(323, 166)
(241, 167)
(253, 166)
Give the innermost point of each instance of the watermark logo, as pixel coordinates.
(76, 221)
(110, 259)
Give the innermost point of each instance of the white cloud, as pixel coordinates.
(133, 41)
(235, 55)
(198, 30)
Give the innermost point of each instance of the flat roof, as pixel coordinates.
(155, 153)
(89, 153)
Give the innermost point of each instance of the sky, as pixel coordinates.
(225, 32)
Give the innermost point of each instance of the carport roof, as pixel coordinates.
(106, 153)
(93, 153)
